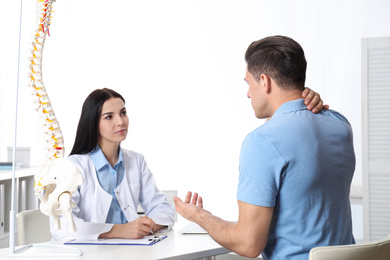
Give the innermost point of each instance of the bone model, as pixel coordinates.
(58, 178)
(52, 132)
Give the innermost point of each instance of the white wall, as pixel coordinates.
(180, 66)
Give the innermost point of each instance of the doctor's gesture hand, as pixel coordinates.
(191, 207)
(136, 229)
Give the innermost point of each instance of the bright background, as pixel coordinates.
(180, 66)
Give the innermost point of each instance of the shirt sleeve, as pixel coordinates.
(261, 171)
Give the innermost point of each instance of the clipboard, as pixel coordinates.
(146, 241)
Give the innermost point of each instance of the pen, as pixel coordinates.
(136, 215)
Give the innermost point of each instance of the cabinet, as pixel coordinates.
(376, 137)
(24, 199)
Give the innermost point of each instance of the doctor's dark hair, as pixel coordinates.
(88, 127)
(279, 57)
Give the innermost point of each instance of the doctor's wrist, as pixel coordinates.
(113, 233)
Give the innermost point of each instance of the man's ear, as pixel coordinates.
(266, 82)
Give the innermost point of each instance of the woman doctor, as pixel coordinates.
(116, 180)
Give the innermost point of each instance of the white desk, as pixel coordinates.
(175, 246)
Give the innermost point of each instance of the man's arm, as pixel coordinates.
(247, 237)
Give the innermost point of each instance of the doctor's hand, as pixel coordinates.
(133, 230)
(140, 227)
(191, 207)
(313, 101)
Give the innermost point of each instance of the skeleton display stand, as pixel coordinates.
(58, 178)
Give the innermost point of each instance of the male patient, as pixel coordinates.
(295, 170)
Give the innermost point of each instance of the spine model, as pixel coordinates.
(54, 141)
(56, 179)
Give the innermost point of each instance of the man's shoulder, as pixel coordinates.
(340, 116)
(270, 127)
(260, 139)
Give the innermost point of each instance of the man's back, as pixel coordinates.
(301, 164)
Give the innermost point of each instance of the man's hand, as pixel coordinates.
(313, 101)
(191, 207)
(247, 237)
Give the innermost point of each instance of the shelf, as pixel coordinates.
(25, 198)
(19, 173)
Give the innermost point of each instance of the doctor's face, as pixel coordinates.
(113, 122)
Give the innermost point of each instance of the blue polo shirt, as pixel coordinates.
(301, 164)
(109, 178)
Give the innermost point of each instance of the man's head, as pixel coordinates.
(279, 57)
(276, 72)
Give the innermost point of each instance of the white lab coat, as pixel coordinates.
(93, 202)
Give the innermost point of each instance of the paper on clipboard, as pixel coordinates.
(146, 241)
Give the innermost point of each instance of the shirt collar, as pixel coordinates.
(100, 161)
(290, 106)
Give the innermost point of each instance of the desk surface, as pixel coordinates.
(175, 246)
